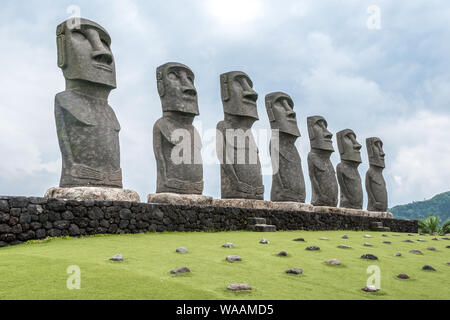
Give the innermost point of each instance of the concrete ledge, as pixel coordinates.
(93, 193)
(179, 199)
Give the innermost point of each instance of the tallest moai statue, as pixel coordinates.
(88, 130)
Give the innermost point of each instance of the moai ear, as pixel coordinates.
(269, 106)
(161, 89)
(225, 88)
(311, 122)
(340, 136)
(61, 46)
(369, 144)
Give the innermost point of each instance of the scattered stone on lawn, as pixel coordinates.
(234, 259)
(117, 258)
(387, 242)
(282, 254)
(396, 235)
(448, 263)
(370, 289)
(385, 236)
(422, 240)
(181, 270)
(411, 235)
(431, 249)
(428, 268)
(403, 276)
(398, 254)
(334, 262)
(445, 238)
(408, 241)
(294, 271)
(228, 245)
(368, 236)
(345, 237)
(435, 239)
(313, 248)
(299, 240)
(324, 239)
(448, 247)
(368, 244)
(369, 257)
(182, 250)
(239, 287)
(264, 241)
(417, 252)
(343, 246)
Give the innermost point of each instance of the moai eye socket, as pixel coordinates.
(173, 76)
(79, 35)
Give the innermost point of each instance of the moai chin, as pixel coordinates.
(288, 180)
(347, 171)
(241, 172)
(375, 182)
(176, 142)
(321, 171)
(88, 130)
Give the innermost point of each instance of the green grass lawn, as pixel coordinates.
(37, 270)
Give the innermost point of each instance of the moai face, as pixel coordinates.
(84, 53)
(319, 135)
(280, 109)
(238, 96)
(349, 147)
(376, 153)
(176, 89)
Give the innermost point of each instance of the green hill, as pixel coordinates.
(438, 206)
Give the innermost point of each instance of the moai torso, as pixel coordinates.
(241, 172)
(375, 182)
(288, 183)
(176, 143)
(347, 171)
(321, 171)
(87, 127)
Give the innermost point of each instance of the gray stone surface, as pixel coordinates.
(282, 253)
(241, 171)
(343, 246)
(118, 258)
(176, 142)
(369, 257)
(180, 270)
(371, 289)
(228, 245)
(428, 268)
(296, 271)
(87, 127)
(288, 183)
(321, 171)
(313, 248)
(182, 250)
(375, 182)
(349, 179)
(264, 241)
(333, 262)
(234, 259)
(403, 276)
(93, 193)
(416, 252)
(180, 199)
(239, 287)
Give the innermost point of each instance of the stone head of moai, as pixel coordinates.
(280, 109)
(376, 152)
(320, 137)
(349, 147)
(238, 96)
(84, 52)
(177, 89)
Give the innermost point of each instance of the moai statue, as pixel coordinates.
(347, 171)
(288, 180)
(241, 171)
(176, 143)
(87, 127)
(375, 183)
(321, 170)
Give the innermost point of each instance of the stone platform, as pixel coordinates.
(92, 193)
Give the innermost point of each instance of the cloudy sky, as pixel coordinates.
(392, 82)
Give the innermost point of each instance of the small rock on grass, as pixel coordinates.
(234, 259)
(403, 276)
(385, 236)
(369, 257)
(370, 289)
(334, 262)
(417, 252)
(428, 268)
(343, 246)
(368, 236)
(295, 271)
(117, 258)
(264, 241)
(182, 250)
(435, 239)
(239, 287)
(422, 240)
(411, 235)
(368, 245)
(387, 242)
(282, 254)
(299, 240)
(432, 249)
(448, 263)
(313, 248)
(345, 237)
(445, 238)
(448, 247)
(408, 241)
(398, 254)
(324, 239)
(228, 245)
(180, 270)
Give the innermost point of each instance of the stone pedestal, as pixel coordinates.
(243, 204)
(353, 212)
(180, 199)
(91, 193)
